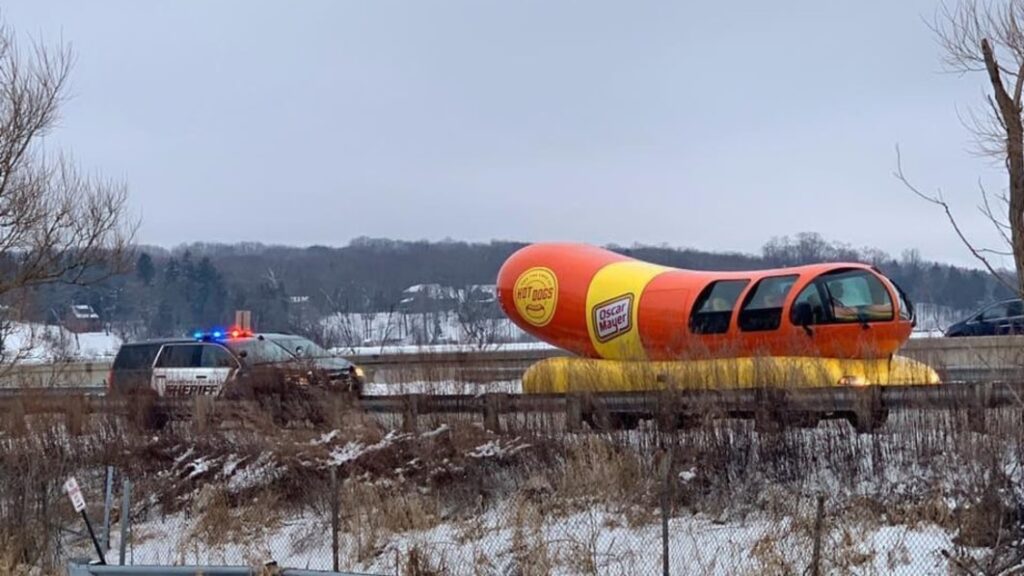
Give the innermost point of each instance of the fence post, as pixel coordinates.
(126, 515)
(412, 412)
(335, 519)
(980, 394)
(666, 486)
(492, 412)
(108, 502)
(819, 521)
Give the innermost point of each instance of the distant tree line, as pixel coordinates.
(171, 292)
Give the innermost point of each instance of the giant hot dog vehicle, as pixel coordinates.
(632, 325)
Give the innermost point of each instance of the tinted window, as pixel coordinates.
(713, 309)
(1001, 310)
(812, 297)
(763, 307)
(180, 356)
(136, 356)
(260, 351)
(216, 357)
(301, 347)
(1014, 309)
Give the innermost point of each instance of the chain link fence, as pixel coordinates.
(926, 495)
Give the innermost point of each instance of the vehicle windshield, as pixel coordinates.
(300, 347)
(261, 351)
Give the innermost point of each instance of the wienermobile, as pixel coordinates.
(632, 325)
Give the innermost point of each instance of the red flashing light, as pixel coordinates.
(238, 333)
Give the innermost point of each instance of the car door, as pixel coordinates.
(191, 369)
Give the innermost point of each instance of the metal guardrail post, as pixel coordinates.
(126, 516)
(335, 518)
(108, 502)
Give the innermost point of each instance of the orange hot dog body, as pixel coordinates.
(599, 304)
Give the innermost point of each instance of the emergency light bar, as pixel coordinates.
(218, 334)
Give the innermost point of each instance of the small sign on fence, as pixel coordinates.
(75, 493)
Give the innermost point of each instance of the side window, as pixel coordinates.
(1013, 309)
(808, 308)
(906, 308)
(136, 356)
(762, 309)
(856, 296)
(996, 312)
(713, 309)
(216, 357)
(180, 356)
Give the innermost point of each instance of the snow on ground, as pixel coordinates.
(443, 387)
(589, 541)
(376, 329)
(42, 344)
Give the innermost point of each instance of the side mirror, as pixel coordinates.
(243, 354)
(803, 314)
(298, 351)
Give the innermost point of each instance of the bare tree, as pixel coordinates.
(56, 224)
(989, 37)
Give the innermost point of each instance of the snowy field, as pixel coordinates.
(590, 542)
(43, 344)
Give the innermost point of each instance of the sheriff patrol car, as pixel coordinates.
(208, 362)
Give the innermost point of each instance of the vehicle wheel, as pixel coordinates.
(868, 422)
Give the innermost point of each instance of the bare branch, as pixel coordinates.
(937, 200)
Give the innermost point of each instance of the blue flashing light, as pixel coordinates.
(217, 334)
(198, 335)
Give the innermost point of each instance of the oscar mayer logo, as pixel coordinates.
(613, 317)
(536, 295)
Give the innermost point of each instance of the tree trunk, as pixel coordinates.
(1010, 110)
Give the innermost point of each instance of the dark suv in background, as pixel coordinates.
(1006, 317)
(210, 363)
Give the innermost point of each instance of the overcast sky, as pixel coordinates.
(716, 125)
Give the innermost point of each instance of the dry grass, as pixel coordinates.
(924, 469)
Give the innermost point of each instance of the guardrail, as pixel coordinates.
(85, 569)
(970, 359)
(865, 407)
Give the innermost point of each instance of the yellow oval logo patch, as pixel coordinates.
(536, 296)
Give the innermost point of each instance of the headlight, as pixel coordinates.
(358, 372)
(852, 381)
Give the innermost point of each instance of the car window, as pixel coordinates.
(994, 312)
(214, 356)
(857, 296)
(136, 356)
(180, 356)
(260, 351)
(713, 309)
(763, 307)
(301, 347)
(1014, 308)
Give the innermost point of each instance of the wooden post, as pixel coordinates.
(15, 417)
(980, 394)
(411, 415)
(73, 417)
(573, 413)
(492, 412)
(819, 522)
